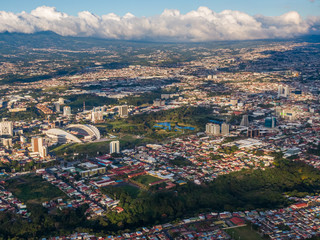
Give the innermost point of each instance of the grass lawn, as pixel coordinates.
(146, 179)
(33, 189)
(243, 233)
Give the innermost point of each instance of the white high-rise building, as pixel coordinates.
(6, 128)
(61, 101)
(283, 91)
(57, 107)
(96, 116)
(225, 128)
(123, 111)
(114, 147)
(213, 129)
(66, 111)
(43, 152)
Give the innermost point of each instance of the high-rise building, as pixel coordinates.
(7, 142)
(245, 121)
(61, 101)
(114, 147)
(123, 111)
(66, 111)
(213, 129)
(96, 116)
(270, 122)
(37, 144)
(6, 128)
(43, 152)
(283, 91)
(225, 128)
(57, 107)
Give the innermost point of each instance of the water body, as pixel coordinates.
(169, 126)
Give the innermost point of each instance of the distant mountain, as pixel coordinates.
(50, 39)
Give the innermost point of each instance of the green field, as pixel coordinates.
(244, 233)
(146, 179)
(33, 189)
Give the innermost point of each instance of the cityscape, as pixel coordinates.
(108, 134)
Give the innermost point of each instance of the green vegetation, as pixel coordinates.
(180, 162)
(146, 179)
(244, 233)
(90, 101)
(144, 99)
(244, 190)
(120, 190)
(29, 114)
(82, 150)
(33, 189)
(29, 166)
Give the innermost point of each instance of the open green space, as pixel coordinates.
(146, 179)
(116, 191)
(82, 150)
(76, 101)
(33, 189)
(244, 233)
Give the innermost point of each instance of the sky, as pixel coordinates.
(153, 7)
(164, 20)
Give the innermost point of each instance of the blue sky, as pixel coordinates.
(154, 7)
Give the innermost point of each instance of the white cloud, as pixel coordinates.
(202, 24)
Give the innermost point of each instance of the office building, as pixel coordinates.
(114, 147)
(66, 111)
(245, 121)
(6, 128)
(123, 111)
(283, 91)
(270, 122)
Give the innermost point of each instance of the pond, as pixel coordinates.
(169, 126)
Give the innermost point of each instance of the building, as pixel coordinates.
(213, 129)
(159, 103)
(283, 91)
(6, 128)
(57, 107)
(37, 144)
(43, 152)
(245, 121)
(270, 122)
(66, 111)
(61, 101)
(253, 133)
(7, 142)
(123, 111)
(96, 116)
(114, 147)
(225, 128)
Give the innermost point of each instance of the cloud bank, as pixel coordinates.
(202, 24)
